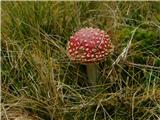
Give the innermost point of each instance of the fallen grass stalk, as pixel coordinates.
(141, 65)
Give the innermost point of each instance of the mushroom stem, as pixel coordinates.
(92, 73)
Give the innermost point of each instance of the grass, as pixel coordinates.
(39, 81)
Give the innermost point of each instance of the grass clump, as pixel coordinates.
(39, 81)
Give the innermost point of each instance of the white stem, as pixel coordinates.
(92, 73)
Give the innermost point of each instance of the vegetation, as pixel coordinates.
(39, 80)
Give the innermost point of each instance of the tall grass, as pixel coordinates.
(39, 81)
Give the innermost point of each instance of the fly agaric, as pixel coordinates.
(89, 46)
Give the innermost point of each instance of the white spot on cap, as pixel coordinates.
(93, 59)
(92, 55)
(101, 34)
(78, 56)
(87, 49)
(107, 36)
(76, 39)
(71, 37)
(102, 52)
(102, 31)
(71, 43)
(70, 50)
(73, 54)
(75, 45)
(91, 42)
(82, 56)
(98, 41)
(96, 33)
(96, 38)
(93, 50)
(88, 55)
(82, 47)
(86, 45)
(85, 40)
(105, 42)
(100, 47)
(109, 45)
(76, 52)
(83, 35)
(78, 43)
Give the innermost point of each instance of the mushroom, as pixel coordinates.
(89, 46)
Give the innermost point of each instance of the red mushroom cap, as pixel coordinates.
(89, 45)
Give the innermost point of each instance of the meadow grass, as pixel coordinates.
(40, 82)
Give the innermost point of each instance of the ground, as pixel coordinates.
(40, 82)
